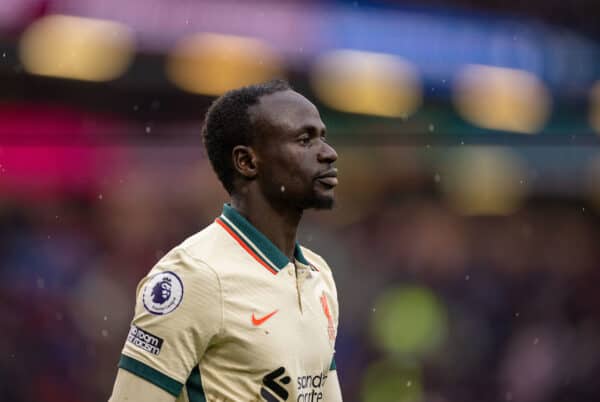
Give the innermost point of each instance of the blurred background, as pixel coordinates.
(464, 239)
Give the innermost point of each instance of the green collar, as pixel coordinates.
(260, 246)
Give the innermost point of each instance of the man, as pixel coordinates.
(240, 311)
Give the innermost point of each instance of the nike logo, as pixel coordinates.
(258, 321)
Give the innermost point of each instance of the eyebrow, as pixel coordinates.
(311, 129)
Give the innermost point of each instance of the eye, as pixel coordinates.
(304, 139)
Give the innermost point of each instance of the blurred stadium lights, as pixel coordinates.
(77, 48)
(367, 83)
(484, 181)
(595, 107)
(502, 99)
(211, 64)
(409, 321)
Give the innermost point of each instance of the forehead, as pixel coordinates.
(286, 110)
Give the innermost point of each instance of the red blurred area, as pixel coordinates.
(49, 150)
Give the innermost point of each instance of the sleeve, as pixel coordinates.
(178, 313)
(129, 388)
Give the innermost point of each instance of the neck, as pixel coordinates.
(277, 223)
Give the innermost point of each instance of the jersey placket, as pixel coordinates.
(301, 273)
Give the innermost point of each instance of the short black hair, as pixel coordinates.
(227, 124)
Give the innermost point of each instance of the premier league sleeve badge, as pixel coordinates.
(163, 293)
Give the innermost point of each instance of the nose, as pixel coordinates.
(327, 154)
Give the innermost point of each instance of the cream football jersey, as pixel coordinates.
(225, 316)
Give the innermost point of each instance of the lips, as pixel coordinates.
(329, 178)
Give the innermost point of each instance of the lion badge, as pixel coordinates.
(163, 293)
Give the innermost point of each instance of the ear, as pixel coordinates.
(245, 161)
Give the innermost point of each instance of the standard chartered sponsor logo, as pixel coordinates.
(310, 387)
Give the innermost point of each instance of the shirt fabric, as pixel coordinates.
(225, 316)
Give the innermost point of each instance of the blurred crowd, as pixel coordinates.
(517, 308)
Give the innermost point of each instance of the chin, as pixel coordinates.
(322, 203)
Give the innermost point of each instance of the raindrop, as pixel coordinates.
(282, 189)
(374, 309)
(467, 277)
(148, 129)
(462, 142)
(431, 128)
(104, 333)
(582, 209)
(100, 196)
(40, 283)
(509, 396)
(408, 383)
(4, 55)
(437, 178)
(536, 341)
(136, 108)
(105, 318)
(517, 314)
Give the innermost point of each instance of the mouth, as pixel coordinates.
(329, 178)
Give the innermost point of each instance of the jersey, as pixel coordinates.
(225, 316)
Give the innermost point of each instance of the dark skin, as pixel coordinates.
(288, 168)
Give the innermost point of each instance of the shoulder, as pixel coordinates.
(198, 251)
(321, 265)
(186, 265)
(316, 260)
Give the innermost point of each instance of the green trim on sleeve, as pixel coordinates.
(194, 386)
(333, 365)
(154, 376)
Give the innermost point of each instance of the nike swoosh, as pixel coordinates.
(258, 321)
